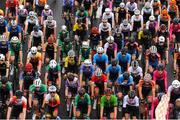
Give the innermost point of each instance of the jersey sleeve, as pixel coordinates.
(31, 88)
(76, 100)
(102, 101)
(88, 99)
(44, 88)
(114, 101)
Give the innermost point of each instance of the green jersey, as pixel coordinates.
(85, 53)
(42, 90)
(85, 100)
(61, 37)
(53, 73)
(109, 103)
(15, 49)
(8, 86)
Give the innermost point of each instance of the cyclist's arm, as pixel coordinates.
(9, 113)
(92, 86)
(42, 40)
(102, 107)
(153, 89)
(7, 68)
(55, 51)
(75, 104)
(24, 112)
(21, 81)
(55, 28)
(39, 62)
(19, 33)
(26, 26)
(44, 28)
(59, 77)
(46, 75)
(31, 89)
(44, 51)
(175, 60)
(165, 81)
(117, 15)
(20, 55)
(81, 75)
(89, 106)
(115, 107)
(140, 89)
(30, 41)
(147, 64)
(7, 7)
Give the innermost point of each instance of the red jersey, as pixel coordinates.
(12, 3)
(22, 102)
(96, 79)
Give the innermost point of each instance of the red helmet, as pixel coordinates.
(28, 67)
(94, 30)
(50, 40)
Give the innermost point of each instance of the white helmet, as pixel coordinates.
(85, 44)
(122, 5)
(21, 7)
(87, 62)
(107, 10)
(151, 18)
(71, 53)
(2, 57)
(153, 49)
(3, 38)
(176, 84)
(52, 64)
(37, 82)
(49, 18)
(63, 28)
(147, 77)
(110, 39)
(100, 50)
(33, 50)
(46, 7)
(52, 88)
(31, 13)
(13, 22)
(98, 72)
(161, 39)
(137, 12)
(1, 18)
(14, 39)
(147, 5)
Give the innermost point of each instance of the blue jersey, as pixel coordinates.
(3, 27)
(100, 61)
(120, 80)
(111, 69)
(14, 32)
(68, 2)
(126, 59)
(4, 47)
(87, 70)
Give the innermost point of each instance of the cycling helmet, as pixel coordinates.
(81, 92)
(108, 91)
(98, 72)
(2, 57)
(85, 44)
(87, 62)
(71, 53)
(153, 49)
(50, 40)
(125, 22)
(47, 7)
(151, 18)
(147, 5)
(176, 84)
(100, 50)
(163, 27)
(18, 94)
(28, 67)
(175, 21)
(2, 38)
(161, 39)
(52, 64)
(34, 50)
(94, 30)
(126, 75)
(124, 51)
(52, 88)
(114, 62)
(147, 77)
(160, 67)
(134, 64)
(132, 94)
(21, 7)
(1, 12)
(4, 79)
(104, 20)
(110, 39)
(49, 18)
(36, 28)
(37, 82)
(107, 10)
(122, 5)
(137, 12)
(159, 96)
(31, 14)
(13, 23)
(172, 2)
(14, 39)
(82, 9)
(1, 19)
(63, 28)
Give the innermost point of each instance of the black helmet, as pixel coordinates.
(18, 94)
(81, 92)
(132, 94)
(114, 62)
(159, 96)
(126, 75)
(36, 28)
(108, 91)
(160, 67)
(175, 21)
(4, 79)
(124, 51)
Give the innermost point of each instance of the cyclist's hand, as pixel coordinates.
(39, 73)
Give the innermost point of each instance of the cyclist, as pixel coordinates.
(3, 25)
(16, 52)
(21, 15)
(125, 82)
(110, 48)
(109, 16)
(11, 8)
(62, 35)
(118, 39)
(34, 57)
(85, 52)
(51, 103)
(71, 87)
(137, 21)
(176, 61)
(108, 105)
(45, 13)
(131, 6)
(152, 58)
(121, 13)
(36, 38)
(136, 71)
(26, 78)
(53, 74)
(173, 9)
(147, 11)
(100, 59)
(151, 25)
(38, 6)
(131, 105)
(174, 31)
(49, 27)
(37, 94)
(50, 50)
(146, 88)
(14, 30)
(4, 66)
(176, 109)
(86, 72)
(88, 6)
(164, 18)
(98, 83)
(113, 72)
(82, 106)
(83, 15)
(125, 28)
(4, 46)
(124, 59)
(156, 4)
(71, 62)
(17, 106)
(165, 33)
(68, 6)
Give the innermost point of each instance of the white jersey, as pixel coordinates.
(147, 11)
(37, 34)
(136, 19)
(136, 72)
(131, 7)
(131, 102)
(50, 25)
(34, 21)
(125, 28)
(110, 16)
(105, 28)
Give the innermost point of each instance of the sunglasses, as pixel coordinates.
(100, 53)
(52, 92)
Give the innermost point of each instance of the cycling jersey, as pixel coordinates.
(86, 71)
(12, 4)
(113, 72)
(130, 102)
(6, 89)
(146, 13)
(125, 30)
(65, 47)
(94, 41)
(172, 10)
(136, 73)
(163, 19)
(50, 50)
(14, 31)
(31, 24)
(174, 94)
(3, 67)
(71, 64)
(36, 38)
(151, 26)
(72, 86)
(46, 13)
(61, 37)
(69, 3)
(34, 60)
(53, 73)
(120, 80)
(22, 14)
(145, 40)
(131, 7)
(132, 47)
(40, 92)
(87, 4)
(104, 103)
(84, 53)
(4, 47)
(100, 61)
(14, 50)
(40, 2)
(3, 26)
(104, 28)
(138, 21)
(52, 101)
(175, 30)
(153, 60)
(110, 49)
(109, 17)
(101, 79)
(121, 14)
(83, 16)
(177, 57)
(77, 27)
